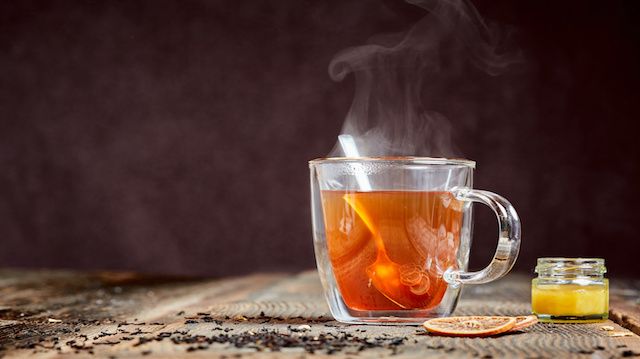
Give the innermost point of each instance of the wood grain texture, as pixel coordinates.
(124, 315)
(625, 305)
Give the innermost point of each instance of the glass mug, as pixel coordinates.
(392, 236)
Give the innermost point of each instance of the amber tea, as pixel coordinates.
(389, 249)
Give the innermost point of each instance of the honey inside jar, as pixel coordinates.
(570, 290)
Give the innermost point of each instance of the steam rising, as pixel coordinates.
(394, 73)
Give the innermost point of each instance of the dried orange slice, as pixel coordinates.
(473, 326)
(523, 322)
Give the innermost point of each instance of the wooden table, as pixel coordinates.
(123, 315)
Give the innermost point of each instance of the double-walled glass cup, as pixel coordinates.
(392, 236)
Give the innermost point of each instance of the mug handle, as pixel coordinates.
(508, 239)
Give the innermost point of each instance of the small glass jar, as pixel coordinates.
(570, 290)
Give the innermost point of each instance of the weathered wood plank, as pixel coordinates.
(59, 314)
(625, 305)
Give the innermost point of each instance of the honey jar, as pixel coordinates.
(570, 290)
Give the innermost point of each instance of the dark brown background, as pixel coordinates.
(172, 136)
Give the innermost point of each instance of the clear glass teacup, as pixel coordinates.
(392, 236)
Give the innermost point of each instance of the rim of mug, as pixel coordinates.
(398, 159)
